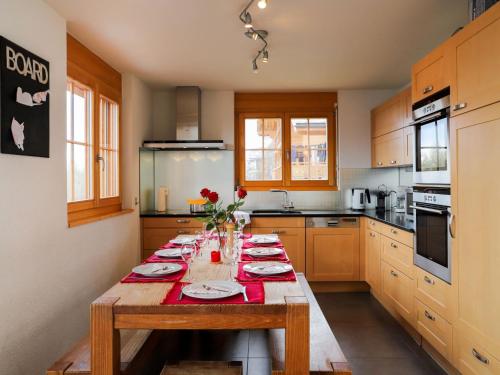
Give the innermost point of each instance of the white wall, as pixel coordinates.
(354, 125)
(50, 273)
(217, 116)
(164, 115)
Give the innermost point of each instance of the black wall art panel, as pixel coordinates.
(24, 101)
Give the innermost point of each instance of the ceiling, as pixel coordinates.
(314, 44)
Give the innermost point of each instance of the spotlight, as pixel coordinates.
(255, 68)
(255, 36)
(248, 21)
(265, 56)
(262, 4)
(249, 34)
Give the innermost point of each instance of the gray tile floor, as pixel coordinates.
(371, 339)
(373, 342)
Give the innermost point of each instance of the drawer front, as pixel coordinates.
(398, 255)
(472, 359)
(171, 222)
(397, 234)
(153, 238)
(435, 329)
(397, 288)
(373, 224)
(278, 222)
(434, 292)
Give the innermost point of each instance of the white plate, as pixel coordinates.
(183, 241)
(263, 239)
(157, 269)
(263, 251)
(267, 268)
(173, 253)
(212, 289)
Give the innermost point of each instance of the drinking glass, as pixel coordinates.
(188, 253)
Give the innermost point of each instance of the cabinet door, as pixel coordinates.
(293, 240)
(332, 254)
(372, 243)
(153, 238)
(408, 145)
(477, 79)
(407, 110)
(388, 150)
(429, 75)
(397, 289)
(475, 151)
(389, 116)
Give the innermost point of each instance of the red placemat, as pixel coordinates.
(133, 277)
(255, 294)
(249, 245)
(247, 276)
(278, 258)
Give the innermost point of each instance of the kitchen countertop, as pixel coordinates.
(395, 219)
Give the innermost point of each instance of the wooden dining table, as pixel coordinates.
(138, 306)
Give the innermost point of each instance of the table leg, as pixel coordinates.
(104, 338)
(297, 336)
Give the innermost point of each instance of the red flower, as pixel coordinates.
(242, 193)
(213, 197)
(204, 192)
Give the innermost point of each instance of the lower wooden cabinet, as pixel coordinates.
(398, 291)
(434, 292)
(436, 330)
(398, 255)
(332, 254)
(470, 358)
(293, 240)
(373, 253)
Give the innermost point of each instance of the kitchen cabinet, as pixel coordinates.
(408, 145)
(373, 253)
(388, 116)
(157, 231)
(473, 359)
(407, 103)
(387, 150)
(398, 291)
(435, 293)
(429, 75)
(475, 157)
(476, 81)
(398, 255)
(292, 233)
(332, 254)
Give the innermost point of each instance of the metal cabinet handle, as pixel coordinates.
(275, 231)
(182, 232)
(372, 222)
(450, 227)
(428, 280)
(434, 211)
(480, 357)
(429, 316)
(428, 89)
(372, 234)
(459, 106)
(380, 163)
(394, 273)
(393, 245)
(183, 221)
(394, 231)
(394, 161)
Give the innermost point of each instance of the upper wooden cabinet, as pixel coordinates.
(393, 114)
(388, 150)
(476, 79)
(429, 75)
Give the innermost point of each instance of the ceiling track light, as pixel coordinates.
(254, 34)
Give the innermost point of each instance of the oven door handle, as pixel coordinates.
(427, 118)
(433, 210)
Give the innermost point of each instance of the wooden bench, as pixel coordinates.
(325, 353)
(139, 355)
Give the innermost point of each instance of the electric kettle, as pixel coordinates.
(360, 196)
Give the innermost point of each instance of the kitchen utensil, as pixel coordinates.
(360, 196)
(213, 289)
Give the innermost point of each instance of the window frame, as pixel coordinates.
(286, 182)
(89, 70)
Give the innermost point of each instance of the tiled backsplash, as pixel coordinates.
(394, 178)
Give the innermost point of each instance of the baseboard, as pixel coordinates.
(339, 286)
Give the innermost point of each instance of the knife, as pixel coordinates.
(244, 292)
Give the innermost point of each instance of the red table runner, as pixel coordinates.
(247, 276)
(255, 294)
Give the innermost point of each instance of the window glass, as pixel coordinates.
(309, 149)
(79, 145)
(108, 148)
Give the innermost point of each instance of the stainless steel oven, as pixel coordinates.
(432, 217)
(432, 154)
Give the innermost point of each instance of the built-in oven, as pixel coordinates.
(432, 154)
(432, 218)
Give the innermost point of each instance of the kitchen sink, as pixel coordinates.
(276, 212)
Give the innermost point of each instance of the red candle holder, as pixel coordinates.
(215, 256)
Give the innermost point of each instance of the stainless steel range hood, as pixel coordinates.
(188, 124)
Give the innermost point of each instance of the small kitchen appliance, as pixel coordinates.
(360, 197)
(382, 197)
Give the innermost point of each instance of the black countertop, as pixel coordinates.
(395, 219)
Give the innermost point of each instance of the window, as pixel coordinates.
(286, 148)
(93, 99)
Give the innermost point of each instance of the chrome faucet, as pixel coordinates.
(286, 204)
